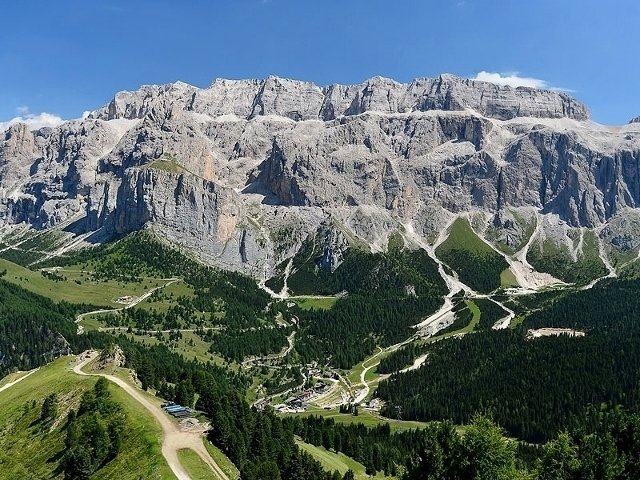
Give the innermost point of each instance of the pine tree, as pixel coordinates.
(49, 408)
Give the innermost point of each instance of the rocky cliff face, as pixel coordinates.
(242, 171)
(304, 101)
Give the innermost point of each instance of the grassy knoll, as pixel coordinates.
(91, 322)
(353, 375)
(191, 346)
(476, 263)
(29, 449)
(12, 377)
(167, 166)
(74, 287)
(475, 318)
(332, 461)
(169, 163)
(162, 299)
(318, 303)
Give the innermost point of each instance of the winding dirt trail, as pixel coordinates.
(174, 439)
(138, 300)
(11, 384)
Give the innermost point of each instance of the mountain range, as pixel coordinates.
(241, 173)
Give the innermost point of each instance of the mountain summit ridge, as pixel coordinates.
(301, 100)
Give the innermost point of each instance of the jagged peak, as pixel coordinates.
(386, 80)
(635, 120)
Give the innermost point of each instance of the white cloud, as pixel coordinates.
(512, 79)
(33, 121)
(22, 110)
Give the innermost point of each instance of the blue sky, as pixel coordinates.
(63, 57)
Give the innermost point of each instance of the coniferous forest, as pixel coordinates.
(532, 387)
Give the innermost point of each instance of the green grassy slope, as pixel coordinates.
(332, 461)
(476, 263)
(318, 303)
(193, 464)
(365, 417)
(86, 291)
(29, 449)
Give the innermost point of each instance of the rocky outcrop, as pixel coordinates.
(335, 244)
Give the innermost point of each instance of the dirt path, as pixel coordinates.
(174, 439)
(365, 369)
(366, 389)
(11, 384)
(138, 300)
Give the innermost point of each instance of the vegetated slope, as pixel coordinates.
(601, 443)
(255, 442)
(531, 387)
(108, 435)
(548, 257)
(487, 312)
(387, 294)
(490, 313)
(475, 262)
(33, 329)
(219, 298)
(400, 358)
(71, 285)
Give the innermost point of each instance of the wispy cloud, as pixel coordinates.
(512, 79)
(33, 120)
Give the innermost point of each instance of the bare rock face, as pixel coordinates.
(303, 100)
(109, 358)
(335, 244)
(635, 120)
(243, 171)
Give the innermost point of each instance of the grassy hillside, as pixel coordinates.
(476, 263)
(332, 461)
(33, 329)
(32, 449)
(317, 303)
(365, 417)
(388, 293)
(72, 285)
